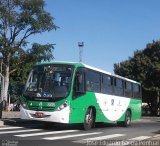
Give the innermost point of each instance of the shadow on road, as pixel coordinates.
(51, 126)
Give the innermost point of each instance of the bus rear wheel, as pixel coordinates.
(127, 121)
(89, 120)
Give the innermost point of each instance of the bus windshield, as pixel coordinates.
(49, 82)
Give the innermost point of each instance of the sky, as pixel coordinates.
(110, 29)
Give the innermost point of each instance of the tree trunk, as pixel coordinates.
(6, 82)
(158, 103)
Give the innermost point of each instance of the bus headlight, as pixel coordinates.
(62, 106)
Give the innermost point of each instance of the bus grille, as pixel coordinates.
(37, 108)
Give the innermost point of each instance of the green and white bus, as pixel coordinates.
(66, 92)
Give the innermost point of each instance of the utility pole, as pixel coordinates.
(80, 45)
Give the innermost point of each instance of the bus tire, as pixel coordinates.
(127, 121)
(89, 120)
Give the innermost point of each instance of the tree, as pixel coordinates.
(19, 19)
(144, 67)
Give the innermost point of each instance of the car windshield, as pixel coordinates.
(49, 81)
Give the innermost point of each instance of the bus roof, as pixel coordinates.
(78, 64)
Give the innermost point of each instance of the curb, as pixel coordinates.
(151, 118)
(11, 121)
(1, 123)
(10, 114)
(18, 122)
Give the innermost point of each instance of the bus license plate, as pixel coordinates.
(39, 114)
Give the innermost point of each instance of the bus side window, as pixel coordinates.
(88, 85)
(128, 89)
(106, 84)
(118, 86)
(93, 81)
(136, 91)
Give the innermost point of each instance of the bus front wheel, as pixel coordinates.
(89, 120)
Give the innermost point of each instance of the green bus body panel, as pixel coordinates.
(135, 109)
(82, 103)
(43, 105)
(79, 105)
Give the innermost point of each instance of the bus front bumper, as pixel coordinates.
(61, 116)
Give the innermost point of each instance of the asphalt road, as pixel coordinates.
(32, 133)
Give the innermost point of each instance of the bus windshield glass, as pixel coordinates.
(49, 82)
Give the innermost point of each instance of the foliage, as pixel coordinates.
(15, 89)
(19, 19)
(144, 67)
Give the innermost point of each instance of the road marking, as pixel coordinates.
(130, 141)
(69, 136)
(140, 138)
(19, 131)
(99, 138)
(46, 133)
(6, 128)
